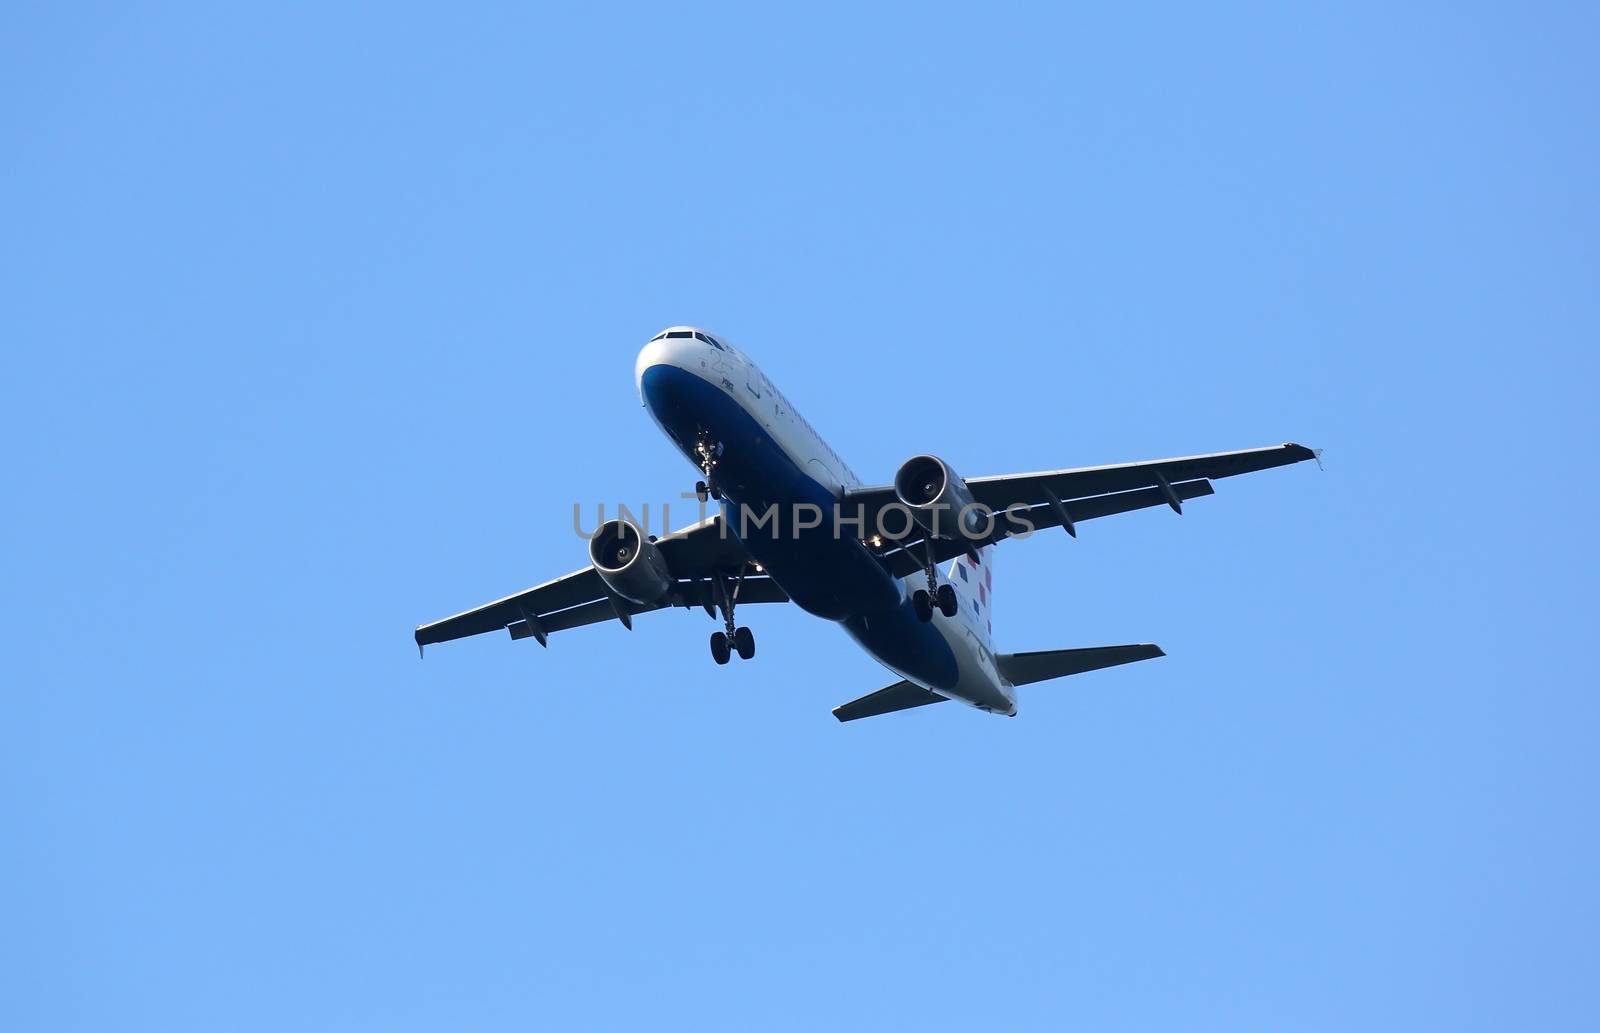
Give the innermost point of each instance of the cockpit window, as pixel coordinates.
(709, 340)
(658, 337)
(680, 333)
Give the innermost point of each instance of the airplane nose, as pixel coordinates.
(649, 355)
(656, 353)
(681, 351)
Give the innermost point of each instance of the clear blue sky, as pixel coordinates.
(316, 319)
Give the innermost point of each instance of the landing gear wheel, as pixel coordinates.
(701, 490)
(744, 643)
(922, 605)
(719, 647)
(947, 600)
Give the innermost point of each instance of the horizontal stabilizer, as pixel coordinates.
(1026, 668)
(902, 695)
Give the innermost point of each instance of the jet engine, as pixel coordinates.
(939, 499)
(629, 563)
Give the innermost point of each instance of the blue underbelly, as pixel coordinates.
(829, 574)
(766, 499)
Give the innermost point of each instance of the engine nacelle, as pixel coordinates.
(939, 499)
(629, 563)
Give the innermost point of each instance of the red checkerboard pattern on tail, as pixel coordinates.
(974, 581)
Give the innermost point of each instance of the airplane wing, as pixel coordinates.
(1086, 481)
(1063, 498)
(695, 555)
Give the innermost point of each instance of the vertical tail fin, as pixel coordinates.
(974, 583)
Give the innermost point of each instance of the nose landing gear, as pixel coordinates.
(708, 452)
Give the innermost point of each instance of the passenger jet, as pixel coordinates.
(905, 567)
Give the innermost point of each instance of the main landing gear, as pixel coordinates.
(923, 601)
(708, 452)
(943, 599)
(733, 639)
(743, 643)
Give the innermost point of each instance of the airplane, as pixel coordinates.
(795, 524)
